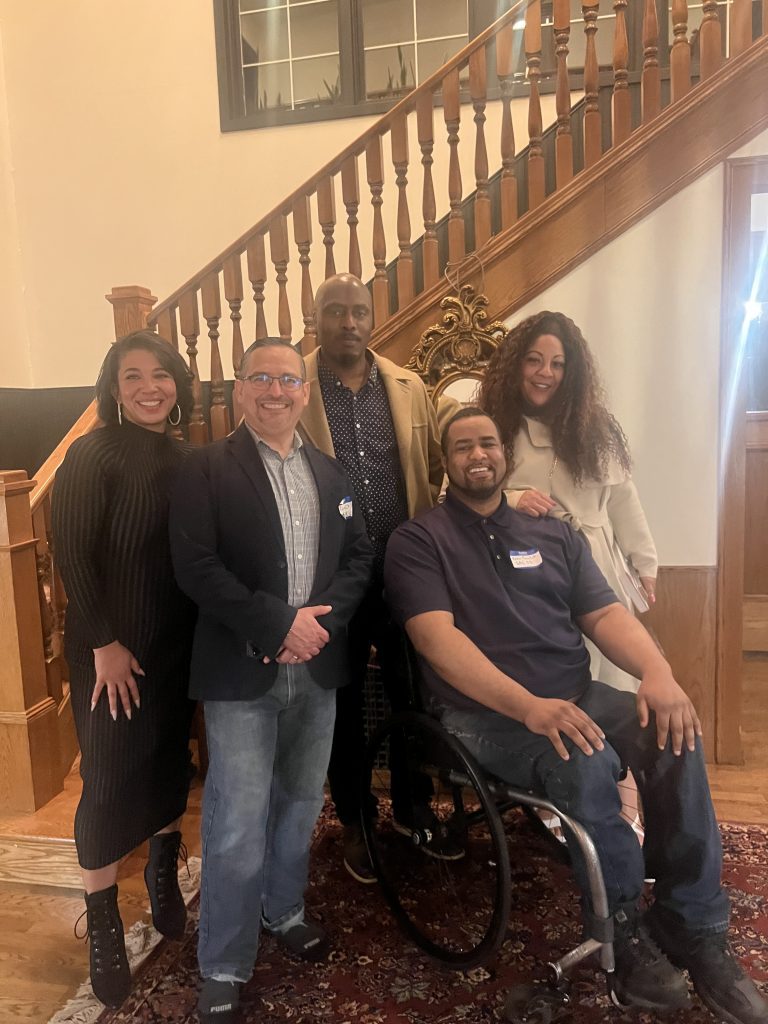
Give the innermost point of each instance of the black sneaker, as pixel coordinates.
(719, 979)
(356, 858)
(431, 835)
(219, 1001)
(643, 976)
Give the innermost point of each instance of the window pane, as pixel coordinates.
(316, 81)
(315, 29)
(267, 88)
(434, 55)
(389, 72)
(265, 36)
(257, 5)
(387, 21)
(438, 18)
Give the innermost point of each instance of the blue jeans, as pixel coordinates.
(263, 793)
(682, 842)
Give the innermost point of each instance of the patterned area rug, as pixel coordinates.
(375, 976)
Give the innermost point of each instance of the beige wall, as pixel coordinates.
(15, 368)
(122, 176)
(649, 306)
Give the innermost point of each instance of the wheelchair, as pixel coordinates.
(467, 926)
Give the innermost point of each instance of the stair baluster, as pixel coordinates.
(326, 214)
(710, 40)
(257, 275)
(504, 70)
(680, 54)
(425, 129)
(233, 293)
(166, 326)
(739, 27)
(536, 189)
(452, 116)
(593, 145)
(189, 322)
(374, 166)
(478, 91)
(350, 193)
(278, 251)
(302, 235)
(622, 104)
(563, 138)
(399, 140)
(651, 81)
(210, 298)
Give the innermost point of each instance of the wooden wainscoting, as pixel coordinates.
(684, 622)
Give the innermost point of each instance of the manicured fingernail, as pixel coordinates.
(93, 704)
(114, 715)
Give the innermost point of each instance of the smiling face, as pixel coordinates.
(274, 412)
(543, 370)
(474, 459)
(145, 390)
(344, 320)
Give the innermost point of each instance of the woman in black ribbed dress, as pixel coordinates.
(127, 641)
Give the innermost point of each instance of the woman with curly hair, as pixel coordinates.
(128, 642)
(568, 457)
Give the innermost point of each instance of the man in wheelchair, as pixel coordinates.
(495, 604)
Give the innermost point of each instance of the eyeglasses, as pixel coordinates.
(263, 381)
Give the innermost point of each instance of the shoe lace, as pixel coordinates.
(167, 870)
(103, 932)
(644, 949)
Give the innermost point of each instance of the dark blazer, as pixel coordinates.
(229, 557)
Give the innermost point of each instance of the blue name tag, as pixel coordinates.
(525, 559)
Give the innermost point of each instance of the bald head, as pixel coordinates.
(343, 319)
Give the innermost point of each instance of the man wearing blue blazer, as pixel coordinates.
(268, 541)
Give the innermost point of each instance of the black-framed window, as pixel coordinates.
(292, 61)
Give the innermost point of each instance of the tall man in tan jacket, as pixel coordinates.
(377, 419)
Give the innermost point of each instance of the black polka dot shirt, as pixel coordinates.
(364, 442)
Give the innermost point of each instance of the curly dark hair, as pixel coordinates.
(166, 355)
(585, 436)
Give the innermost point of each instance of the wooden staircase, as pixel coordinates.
(616, 149)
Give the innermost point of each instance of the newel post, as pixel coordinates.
(131, 307)
(29, 738)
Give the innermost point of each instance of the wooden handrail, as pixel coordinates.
(44, 476)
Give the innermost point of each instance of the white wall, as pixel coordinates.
(649, 306)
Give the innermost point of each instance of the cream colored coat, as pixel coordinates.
(415, 422)
(607, 512)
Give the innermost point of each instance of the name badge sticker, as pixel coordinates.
(345, 508)
(525, 559)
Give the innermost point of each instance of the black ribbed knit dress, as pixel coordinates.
(110, 531)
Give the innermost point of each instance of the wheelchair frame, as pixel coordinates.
(459, 771)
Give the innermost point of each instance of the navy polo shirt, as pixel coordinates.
(514, 584)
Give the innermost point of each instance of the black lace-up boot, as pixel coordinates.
(110, 974)
(169, 914)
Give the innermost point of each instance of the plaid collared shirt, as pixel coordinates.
(365, 444)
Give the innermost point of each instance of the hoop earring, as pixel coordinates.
(119, 414)
(177, 421)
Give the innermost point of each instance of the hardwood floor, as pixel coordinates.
(42, 964)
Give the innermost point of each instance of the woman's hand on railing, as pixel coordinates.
(116, 669)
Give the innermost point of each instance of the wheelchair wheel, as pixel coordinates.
(441, 857)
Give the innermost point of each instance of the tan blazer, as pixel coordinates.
(416, 430)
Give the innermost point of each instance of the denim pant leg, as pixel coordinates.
(246, 740)
(682, 841)
(583, 787)
(304, 737)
